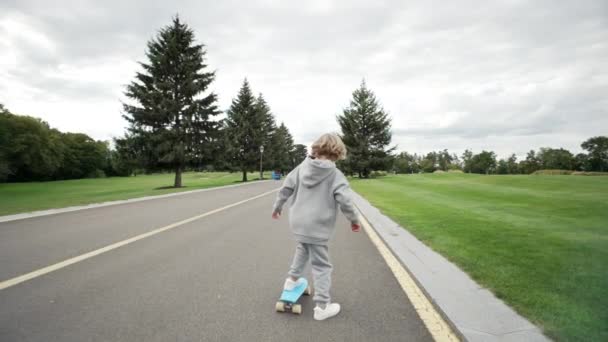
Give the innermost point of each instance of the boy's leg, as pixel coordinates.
(299, 261)
(321, 272)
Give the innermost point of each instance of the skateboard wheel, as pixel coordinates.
(296, 309)
(308, 291)
(280, 307)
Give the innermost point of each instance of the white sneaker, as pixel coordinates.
(331, 309)
(290, 284)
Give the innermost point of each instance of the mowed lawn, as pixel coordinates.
(538, 242)
(25, 197)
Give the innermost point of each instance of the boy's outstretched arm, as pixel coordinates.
(342, 194)
(284, 193)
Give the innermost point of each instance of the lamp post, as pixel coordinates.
(261, 159)
(241, 156)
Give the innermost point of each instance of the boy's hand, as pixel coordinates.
(276, 215)
(355, 227)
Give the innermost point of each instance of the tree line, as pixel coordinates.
(486, 162)
(365, 128)
(174, 125)
(173, 122)
(32, 151)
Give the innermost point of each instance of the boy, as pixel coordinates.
(317, 187)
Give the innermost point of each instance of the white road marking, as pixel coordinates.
(14, 281)
(436, 325)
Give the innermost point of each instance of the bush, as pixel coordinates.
(376, 174)
(97, 173)
(455, 171)
(439, 171)
(589, 173)
(552, 172)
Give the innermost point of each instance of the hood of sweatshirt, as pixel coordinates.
(314, 171)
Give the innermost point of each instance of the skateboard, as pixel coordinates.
(288, 300)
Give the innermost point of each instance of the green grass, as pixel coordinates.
(25, 197)
(538, 242)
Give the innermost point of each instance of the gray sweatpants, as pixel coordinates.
(321, 268)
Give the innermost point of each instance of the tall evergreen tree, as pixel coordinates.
(268, 129)
(172, 115)
(282, 149)
(366, 132)
(245, 130)
(299, 154)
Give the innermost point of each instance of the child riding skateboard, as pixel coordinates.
(318, 188)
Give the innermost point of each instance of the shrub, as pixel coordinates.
(589, 173)
(376, 174)
(97, 173)
(552, 172)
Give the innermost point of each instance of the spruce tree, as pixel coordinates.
(299, 154)
(283, 149)
(245, 130)
(268, 129)
(171, 113)
(366, 132)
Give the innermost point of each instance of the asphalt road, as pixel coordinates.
(214, 279)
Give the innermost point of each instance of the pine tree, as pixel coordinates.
(245, 130)
(283, 149)
(299, 154)
(268, 129)
(171, 115)
(366, 132)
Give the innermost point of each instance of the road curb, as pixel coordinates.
(473, 312)
(27, 215)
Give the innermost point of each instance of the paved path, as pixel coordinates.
(213, 279)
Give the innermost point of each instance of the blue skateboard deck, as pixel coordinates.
(289, 299)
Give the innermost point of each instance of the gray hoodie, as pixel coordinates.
(318, 188)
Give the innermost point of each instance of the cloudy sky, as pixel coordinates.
(501, 75)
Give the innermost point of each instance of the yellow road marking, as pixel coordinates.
(435, 324)
(14, 281)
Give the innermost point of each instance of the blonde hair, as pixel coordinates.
(329, 145)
